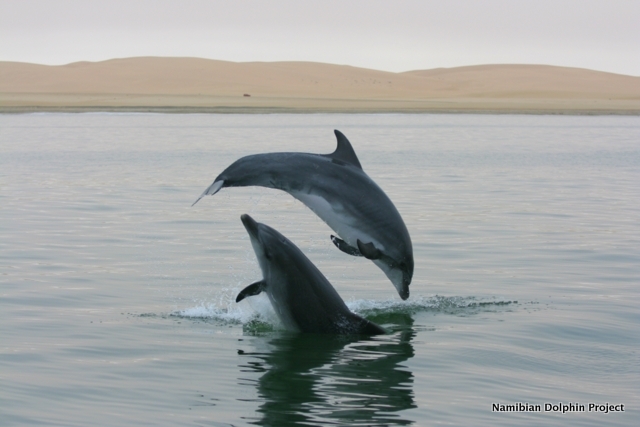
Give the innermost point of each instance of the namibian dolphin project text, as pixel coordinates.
(604, 408)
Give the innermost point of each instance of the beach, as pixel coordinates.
(158, 84)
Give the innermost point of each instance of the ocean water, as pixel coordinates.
(117, 297)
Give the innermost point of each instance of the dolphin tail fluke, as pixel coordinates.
(251, 290)
(211, 190)
(345, 247)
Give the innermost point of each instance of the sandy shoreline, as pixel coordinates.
(293, 110)
(192, 85)
(73, 103)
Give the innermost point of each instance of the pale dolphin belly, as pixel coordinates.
(336, 217)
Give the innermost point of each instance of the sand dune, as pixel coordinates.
(193, 84)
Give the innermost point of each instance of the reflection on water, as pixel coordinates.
(312, 379)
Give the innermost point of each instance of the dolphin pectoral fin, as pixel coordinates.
(344, 152)
(345, 247)
(369, 251)
(211, 190)
(251, 290)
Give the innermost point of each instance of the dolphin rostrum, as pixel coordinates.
(335, 187)
(302, 297)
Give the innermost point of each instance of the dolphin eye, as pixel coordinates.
(267, 255)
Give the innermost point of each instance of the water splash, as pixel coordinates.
(437, 303)
(258, 315)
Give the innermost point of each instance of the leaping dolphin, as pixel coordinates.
(302, 297)
(335, 187)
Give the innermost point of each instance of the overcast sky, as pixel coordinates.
(397, 35)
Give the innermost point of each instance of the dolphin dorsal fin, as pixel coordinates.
(344, 152)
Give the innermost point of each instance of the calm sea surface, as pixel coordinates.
(117, 297)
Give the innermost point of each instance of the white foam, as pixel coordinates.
(256, 307)
(422, 303)
(259, 308)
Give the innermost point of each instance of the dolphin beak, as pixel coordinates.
(404, 290)
(407, 275)
(250, 225)
(400, 278)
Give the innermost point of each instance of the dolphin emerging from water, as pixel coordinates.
(302, 297)
(335, 187)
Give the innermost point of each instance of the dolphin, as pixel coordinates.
(302, 297)
(335, 188)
